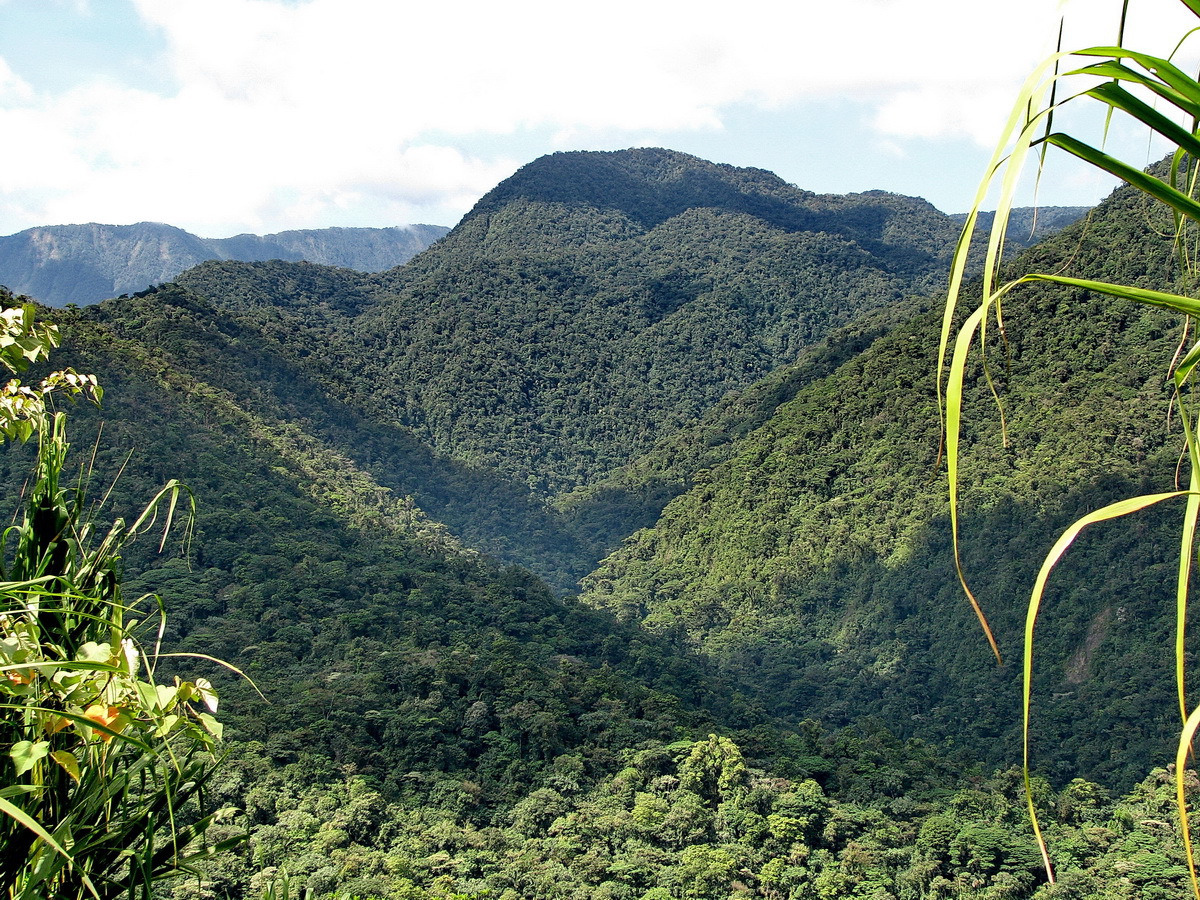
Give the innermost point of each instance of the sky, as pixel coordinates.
(232, 116)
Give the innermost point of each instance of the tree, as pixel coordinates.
(102, 761)
(1154, 91)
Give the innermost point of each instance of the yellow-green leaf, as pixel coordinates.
(27, 754)
(211, 725)
(67, 760)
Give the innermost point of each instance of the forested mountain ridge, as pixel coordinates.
(545, 342)
(81, 264)
(618, 296)
(651, 185)
(622, 307)
(813, 557)
(441, 726)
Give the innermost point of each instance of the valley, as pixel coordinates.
(601, 549)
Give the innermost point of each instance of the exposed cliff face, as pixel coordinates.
(61, 264)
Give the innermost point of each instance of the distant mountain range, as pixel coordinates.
(1027, 225)
(82, 264)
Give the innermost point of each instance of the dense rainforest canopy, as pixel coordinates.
(771, 688)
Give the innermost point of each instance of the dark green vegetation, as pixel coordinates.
(622, 295)
(589, 306)
(1028, 225)
(840, 815)
(815, 560)
(61, 264)
(602, 334)
(593, 303)
(103, 762)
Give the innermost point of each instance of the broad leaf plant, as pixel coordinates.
(100, 761)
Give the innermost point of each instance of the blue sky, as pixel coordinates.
(227, 116)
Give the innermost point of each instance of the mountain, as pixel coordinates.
(808, 550)
(594, 302)
(773, 687)
(1028, 225)
(362, 249)
(556, 334)
(82, 264)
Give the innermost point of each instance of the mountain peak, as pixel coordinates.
(647, 184)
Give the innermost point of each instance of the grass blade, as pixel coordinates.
(1112, 511)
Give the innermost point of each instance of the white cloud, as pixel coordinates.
(290, 114)
(14, 90)
(970, 104)
(472, 66)
(481, 66)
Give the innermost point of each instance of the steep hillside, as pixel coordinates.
(380, 641)
(813, 557)
(589, 306)
(81, 264)
(270, 362)
(633, 497)
(595, 302)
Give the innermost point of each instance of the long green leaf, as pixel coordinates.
(1112, 511)
(1167, 82)
(1183, 579)
(1189, 306)
(1187, 543)
(1148, 184)
(1188, 101)
(954, 398)
(1163, 69)
(1005, 165)
(33, 825)
(1119, 98)
(1182, 751)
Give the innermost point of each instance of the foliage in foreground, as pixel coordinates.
(100, 760)
(1155, 93)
